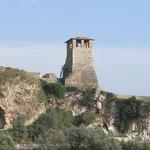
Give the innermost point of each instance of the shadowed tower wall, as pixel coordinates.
(78, 70)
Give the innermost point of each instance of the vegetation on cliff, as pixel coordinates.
(57, 126)
(56, 130)
(125, 111)
(48, 90)
(131, 111)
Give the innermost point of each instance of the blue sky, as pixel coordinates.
(32, 33)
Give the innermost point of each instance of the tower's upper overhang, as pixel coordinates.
(79, 38)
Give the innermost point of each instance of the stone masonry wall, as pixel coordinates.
(79, 68)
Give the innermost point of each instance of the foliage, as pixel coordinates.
(56, 89)
(55, 119)
(128, 112)
(85, 118)
(110, 97)
(6, 142)
(88, 98)
(109, 104)
(144, 110)
(135, 145)
(42, 96)
(19, 128)
(89, 139)
(73, 89)
(53, 140)
(49, 89)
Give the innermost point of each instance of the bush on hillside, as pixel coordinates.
(19, 128)
(88, 99)
(6, 142)
(53, 140)
(128, 112)
(90, 139)
(73, 89)
(56, 89)
(135, 145)
(55, 118)
(86, 118)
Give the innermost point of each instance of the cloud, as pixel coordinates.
(34, 57)
(119, 70)
(123, 70)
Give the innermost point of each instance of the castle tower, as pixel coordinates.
(78, 70)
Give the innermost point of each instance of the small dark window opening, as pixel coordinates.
(78, 43)
(87, 43)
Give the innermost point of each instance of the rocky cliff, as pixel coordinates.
(23, 93)
(18, 95)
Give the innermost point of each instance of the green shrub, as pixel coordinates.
(110, 97)
(19, 128)
(128, 112)
(54, 118)
(53, 140)
(73, 89)
(88, 99)
(66, 117)
(90, 139)
(42, 96)
(34, 131)
(135, 145)
(144, 110)
(6, 142)
(109, 104)
(85, 118)
(56, 89)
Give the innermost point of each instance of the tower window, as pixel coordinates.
(78, 43)
(87, 43)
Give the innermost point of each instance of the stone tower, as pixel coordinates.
(78, 70)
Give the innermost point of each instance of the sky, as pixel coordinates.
(32, 35)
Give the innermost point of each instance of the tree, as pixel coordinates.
(135, 145)
(19, 128)
(53, 140)
(85, 118)
(90, 139)
(6, 142)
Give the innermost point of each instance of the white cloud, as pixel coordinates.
(119, 70)
(34, 57)
(123, 70)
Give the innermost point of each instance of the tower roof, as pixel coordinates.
(79, 38)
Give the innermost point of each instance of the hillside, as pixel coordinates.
(19, 95)
(45, 105)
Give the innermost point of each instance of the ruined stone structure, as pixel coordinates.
(78, 70)
(50, 77)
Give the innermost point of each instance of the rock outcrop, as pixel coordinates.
(19, 95)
